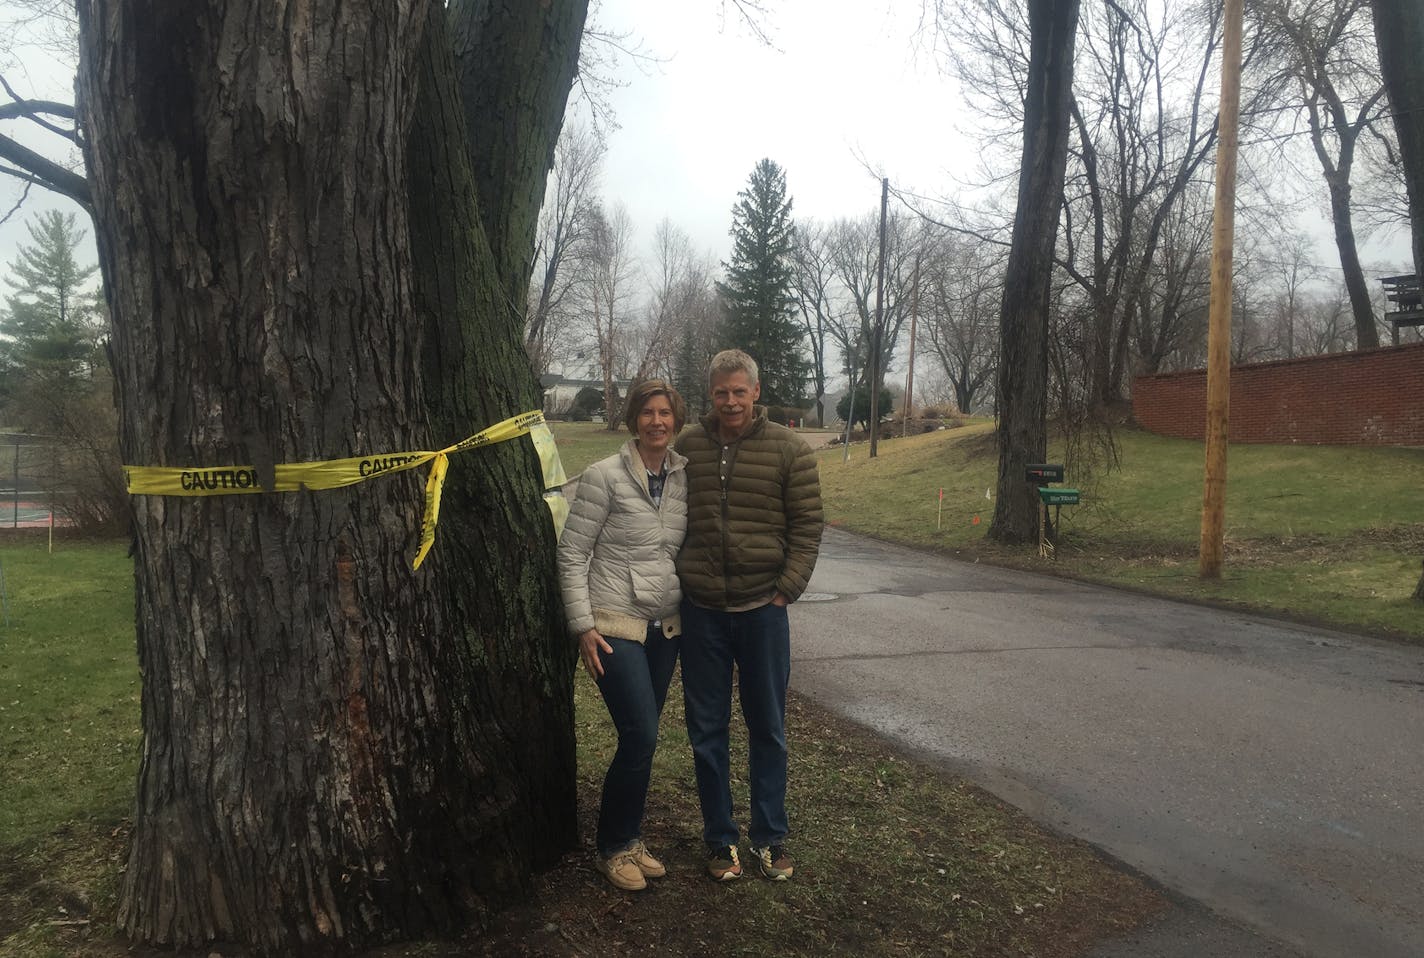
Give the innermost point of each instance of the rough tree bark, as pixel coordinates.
(337, 750)
(1342, 219)
(1023, 322)
(495, 558)
(508, 108)
(1399, 35)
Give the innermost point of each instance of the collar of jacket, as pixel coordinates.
(633, 462)
(758, 423)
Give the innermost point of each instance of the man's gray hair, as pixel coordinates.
(730, 361)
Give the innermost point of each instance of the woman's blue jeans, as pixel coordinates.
(634, 686)
(758, 643)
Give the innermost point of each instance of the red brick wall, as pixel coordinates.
(1375, 397)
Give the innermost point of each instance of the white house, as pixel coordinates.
(560, 390)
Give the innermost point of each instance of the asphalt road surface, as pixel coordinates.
(1272, 775)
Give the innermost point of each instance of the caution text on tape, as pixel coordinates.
(336, 473)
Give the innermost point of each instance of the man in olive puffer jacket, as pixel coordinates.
(753, 532)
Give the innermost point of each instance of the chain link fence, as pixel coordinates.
(33, 487)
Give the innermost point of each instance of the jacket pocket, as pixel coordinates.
(647, 590)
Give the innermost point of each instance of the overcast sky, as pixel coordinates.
(843, 79)
(842, 85)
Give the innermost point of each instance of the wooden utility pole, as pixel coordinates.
(1218, 369)
(875, 371)
(910, 376)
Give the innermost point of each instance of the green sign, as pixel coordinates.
(1059, 497)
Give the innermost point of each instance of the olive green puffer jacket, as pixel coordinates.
(754, 528)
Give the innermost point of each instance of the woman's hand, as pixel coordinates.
(590, 643)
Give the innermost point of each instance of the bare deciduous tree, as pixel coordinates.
(1327, 49)
(569, 199)
(607, 298)
(1143, 128)
(1022, 382)
(1169, 330)
(961, 294)
(678, 283)
(813, 279)
(1292, 270)
(854, 249)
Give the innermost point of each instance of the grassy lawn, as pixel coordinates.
(69, 716)
(581, 444)
(1327, 534)
(894, 858)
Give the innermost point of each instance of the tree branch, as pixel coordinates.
(907, 200)
(23, 196)
(31, 110)
(45, 172)
(26, 108)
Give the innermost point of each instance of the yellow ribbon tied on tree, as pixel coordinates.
(336, 473)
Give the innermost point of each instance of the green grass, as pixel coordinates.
(581, 444)
(1323, 533)
(894, 857)
(68, 688)
(69, 717)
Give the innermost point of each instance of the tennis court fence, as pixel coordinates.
(36, 487)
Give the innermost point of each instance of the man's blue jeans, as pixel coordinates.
(634, 686)
(758, 642)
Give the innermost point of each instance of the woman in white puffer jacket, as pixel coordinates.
(621, 594)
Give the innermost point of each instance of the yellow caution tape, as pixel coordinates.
(336, 473)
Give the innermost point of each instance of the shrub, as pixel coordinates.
(862, 406)
(586, 403)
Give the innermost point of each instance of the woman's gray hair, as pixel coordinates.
(730, 361)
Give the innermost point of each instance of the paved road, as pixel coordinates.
(1272, 773)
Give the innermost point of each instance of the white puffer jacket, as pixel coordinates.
(616, 556)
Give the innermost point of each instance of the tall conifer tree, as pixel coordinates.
(50, 320)
(757, 291)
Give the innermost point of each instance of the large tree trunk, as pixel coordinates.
(513, 114)
(1399, 33)
(337, 750)
(495, 557)
(1023, 332)
(963, 393)
(1366, 334)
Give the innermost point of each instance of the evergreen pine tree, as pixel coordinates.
(757, 292)
(55, 381)
(50, 321)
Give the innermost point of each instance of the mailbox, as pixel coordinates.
(1043, 472)
(1059, 497)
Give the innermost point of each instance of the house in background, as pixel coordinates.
(561, 390)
